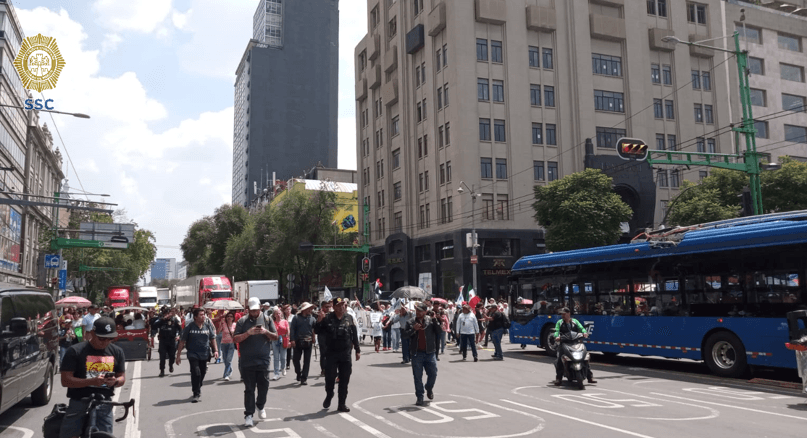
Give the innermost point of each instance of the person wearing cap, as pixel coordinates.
(498, 322)
(90, 318)
(167, 329)
(468, 328)
(301, 334)
(567, 324)
(198, 335)
(93, 367)
(66, 336)
(254, 334)
(423, 333)
(342, 333)
(401, 319)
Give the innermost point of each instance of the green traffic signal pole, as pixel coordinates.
(747, 162)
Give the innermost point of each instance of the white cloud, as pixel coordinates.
(111, 42)
(179, 19)
(205, 182)
(347, 143)
(140, 16)
(153, 173)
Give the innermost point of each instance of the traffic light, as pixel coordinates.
(746, 202)
(54, 281)
(365, 265)
(631, 149)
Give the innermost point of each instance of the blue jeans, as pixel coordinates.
(405, 348)
(465, 340)
(227, 351)
(74, 419)
(496, 337)
(421, 361)
(280, 356)
(387, 338)
(442, 342)
(218, 345)
(396, 338)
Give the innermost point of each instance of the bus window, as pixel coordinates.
(670, 299)
(614, 297)
(646, 297)
(774, 288)
(585, 301)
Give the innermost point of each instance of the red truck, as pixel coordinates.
(199, 289)
(121, 296)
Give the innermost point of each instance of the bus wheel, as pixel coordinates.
(725, 355)
(545, 342)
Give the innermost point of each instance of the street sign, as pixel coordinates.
(290, 285)
(290, 277)
(114, 245)
(52, 261)
(474, 259)
(631, 149)
(105, 232)
(62, 279)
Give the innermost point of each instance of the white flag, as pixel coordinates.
(471, 294)
(327, 296)
(460, 297)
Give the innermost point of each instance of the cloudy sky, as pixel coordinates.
(157, 78)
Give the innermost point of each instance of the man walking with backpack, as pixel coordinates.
(498, 322)
(254, 333)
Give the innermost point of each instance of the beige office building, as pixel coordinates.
(506, 94)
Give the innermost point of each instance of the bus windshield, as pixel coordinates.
(220, 294)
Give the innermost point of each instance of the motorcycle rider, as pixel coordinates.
(567, 325)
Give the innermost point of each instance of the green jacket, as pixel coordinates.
(574, 324)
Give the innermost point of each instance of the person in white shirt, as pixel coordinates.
(468, 328)
(89, 319)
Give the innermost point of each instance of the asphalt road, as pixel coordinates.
(635, 397)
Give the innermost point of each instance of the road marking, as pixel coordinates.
(324, 431)
(238, 430)
(779, 397)
(440, 418)
(730, 406)
(615, 429)
(366, 427)
(132, 422)
(26, 433)
(483, 414)
(598, 401)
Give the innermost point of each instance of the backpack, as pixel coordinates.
(506, 321)
(53, 422)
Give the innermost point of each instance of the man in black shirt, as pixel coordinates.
(167, 328)
(254, 334)
(339, 329)
(197, 336)
(301, 334)
(423, 332)
(92, 367)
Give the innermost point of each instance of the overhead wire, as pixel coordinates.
(69, 160)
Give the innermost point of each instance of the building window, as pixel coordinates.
(607, 137)
(440, 98)
(789, 42)
(661, 178)
(538, 170)
(535, 57)
(398, 219)
(395, 127)
(502, 208)
(707, 81)
(445, 210)
(374, 17)
(498, 91)
(535, 95)
(484, 129)
(657, 7)
(666, 74)
(487, 168)
(421, 225)
(696, 79)
(420, 183)
(496, 54)
(446, 249)
(425, 145)
(762, 129)
(442, 174)
(423, 253)
(440, 137)
(749, 33)
(671, 143)
(606, 65)
(549, 96)
(426, 180)
(418, 4)
(708, 114)
(482, 89)
(445, 55)
(396, 189)
(792, 102)
(419, 112)
(791, 72)
(711, 146)
(660, 142)
(380, 230)
(756, 66)
(448, 134)
(658, 110)
(698, 113)
(501, 168)
(609, 101)
(552, 170)
(396, 158)
(655, 73)
(445, 94)
(537, 137)
(547, 58)
(437, 63)
(420, 147)
(424, 109)
(481, 49)
(423, 73)
(675, 180)
(670, 109)
(448, 171)
(551, 136)
(701, 144)
(796, 134)
(499, 131)
(696, 13)
(392, 28)
(428, 215)
(758, 97)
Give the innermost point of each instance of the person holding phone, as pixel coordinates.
(198, 335)
(254, 333)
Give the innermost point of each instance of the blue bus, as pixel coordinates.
(716, 292)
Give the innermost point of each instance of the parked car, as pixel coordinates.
(29, 345)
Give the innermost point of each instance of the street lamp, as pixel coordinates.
(474, 195)
(79, 115)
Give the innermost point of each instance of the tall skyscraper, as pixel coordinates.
(286, 94)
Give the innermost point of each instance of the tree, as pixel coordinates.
(228, 221)
(196, 245)
(785, 189)
(580, 210)
(240, 260)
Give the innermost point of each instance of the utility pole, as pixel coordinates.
(474, 258)
(747, 162)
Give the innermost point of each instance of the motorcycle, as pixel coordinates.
(575, 357)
